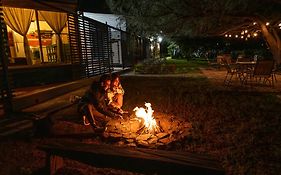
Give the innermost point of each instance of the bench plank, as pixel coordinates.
(135, 159)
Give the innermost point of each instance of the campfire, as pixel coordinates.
(146, 115)
(147, 128)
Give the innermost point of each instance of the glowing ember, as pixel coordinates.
(146, 114)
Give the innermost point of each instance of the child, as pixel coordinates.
(115, 94)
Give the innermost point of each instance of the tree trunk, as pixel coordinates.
(273, 41)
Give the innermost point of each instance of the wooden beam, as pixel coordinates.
(139, 160)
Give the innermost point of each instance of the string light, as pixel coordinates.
(245, 34)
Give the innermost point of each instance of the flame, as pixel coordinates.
(146, 114)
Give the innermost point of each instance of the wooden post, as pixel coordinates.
(54, 163)
(39, 36)
(6, 93)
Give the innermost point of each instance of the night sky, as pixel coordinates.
(95, 6)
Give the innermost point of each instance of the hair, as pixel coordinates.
(104, 78)
(96, 84)
(114, 76)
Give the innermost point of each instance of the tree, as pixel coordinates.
(203, 18)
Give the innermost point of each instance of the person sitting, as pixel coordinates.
(115, 94)
(93, 104)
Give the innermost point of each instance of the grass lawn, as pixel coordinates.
(170, 66)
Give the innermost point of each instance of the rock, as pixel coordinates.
(165, 140)
(132, 144)
(152, 140)
(130, 140)
(143, 143)
(143, 137)
(162, 135)
(129, 135)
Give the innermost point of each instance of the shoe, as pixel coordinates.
(74, 99)
(85, 121)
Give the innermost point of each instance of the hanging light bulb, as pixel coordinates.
(226, 35)
(279, 24)
(242, 37)
(267, 23)
(254, 23)
(248, 35)
(236, 36)
(255, 34)
(229, 36)
(246, 31)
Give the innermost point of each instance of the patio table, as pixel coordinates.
(244, 68)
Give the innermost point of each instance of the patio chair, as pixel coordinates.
(231, 70)
(262, 73)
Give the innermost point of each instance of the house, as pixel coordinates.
(51, 41)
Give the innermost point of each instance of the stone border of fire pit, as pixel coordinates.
(129, 131)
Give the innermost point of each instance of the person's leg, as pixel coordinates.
(97, 116)
(119, 100)
(86, 112)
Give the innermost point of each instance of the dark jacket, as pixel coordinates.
(97, 97)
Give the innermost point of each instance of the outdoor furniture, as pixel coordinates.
(245, 66)
(262, 73)
(231, 70)
(52, 53)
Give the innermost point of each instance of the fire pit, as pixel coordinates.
(147, 129)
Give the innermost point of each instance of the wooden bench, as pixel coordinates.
(147, 161)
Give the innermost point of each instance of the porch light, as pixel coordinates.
(159, 39)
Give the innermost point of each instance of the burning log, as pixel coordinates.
(150, 124)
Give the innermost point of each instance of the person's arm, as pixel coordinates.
(103, 108)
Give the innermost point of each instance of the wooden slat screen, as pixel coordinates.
(90, 45)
